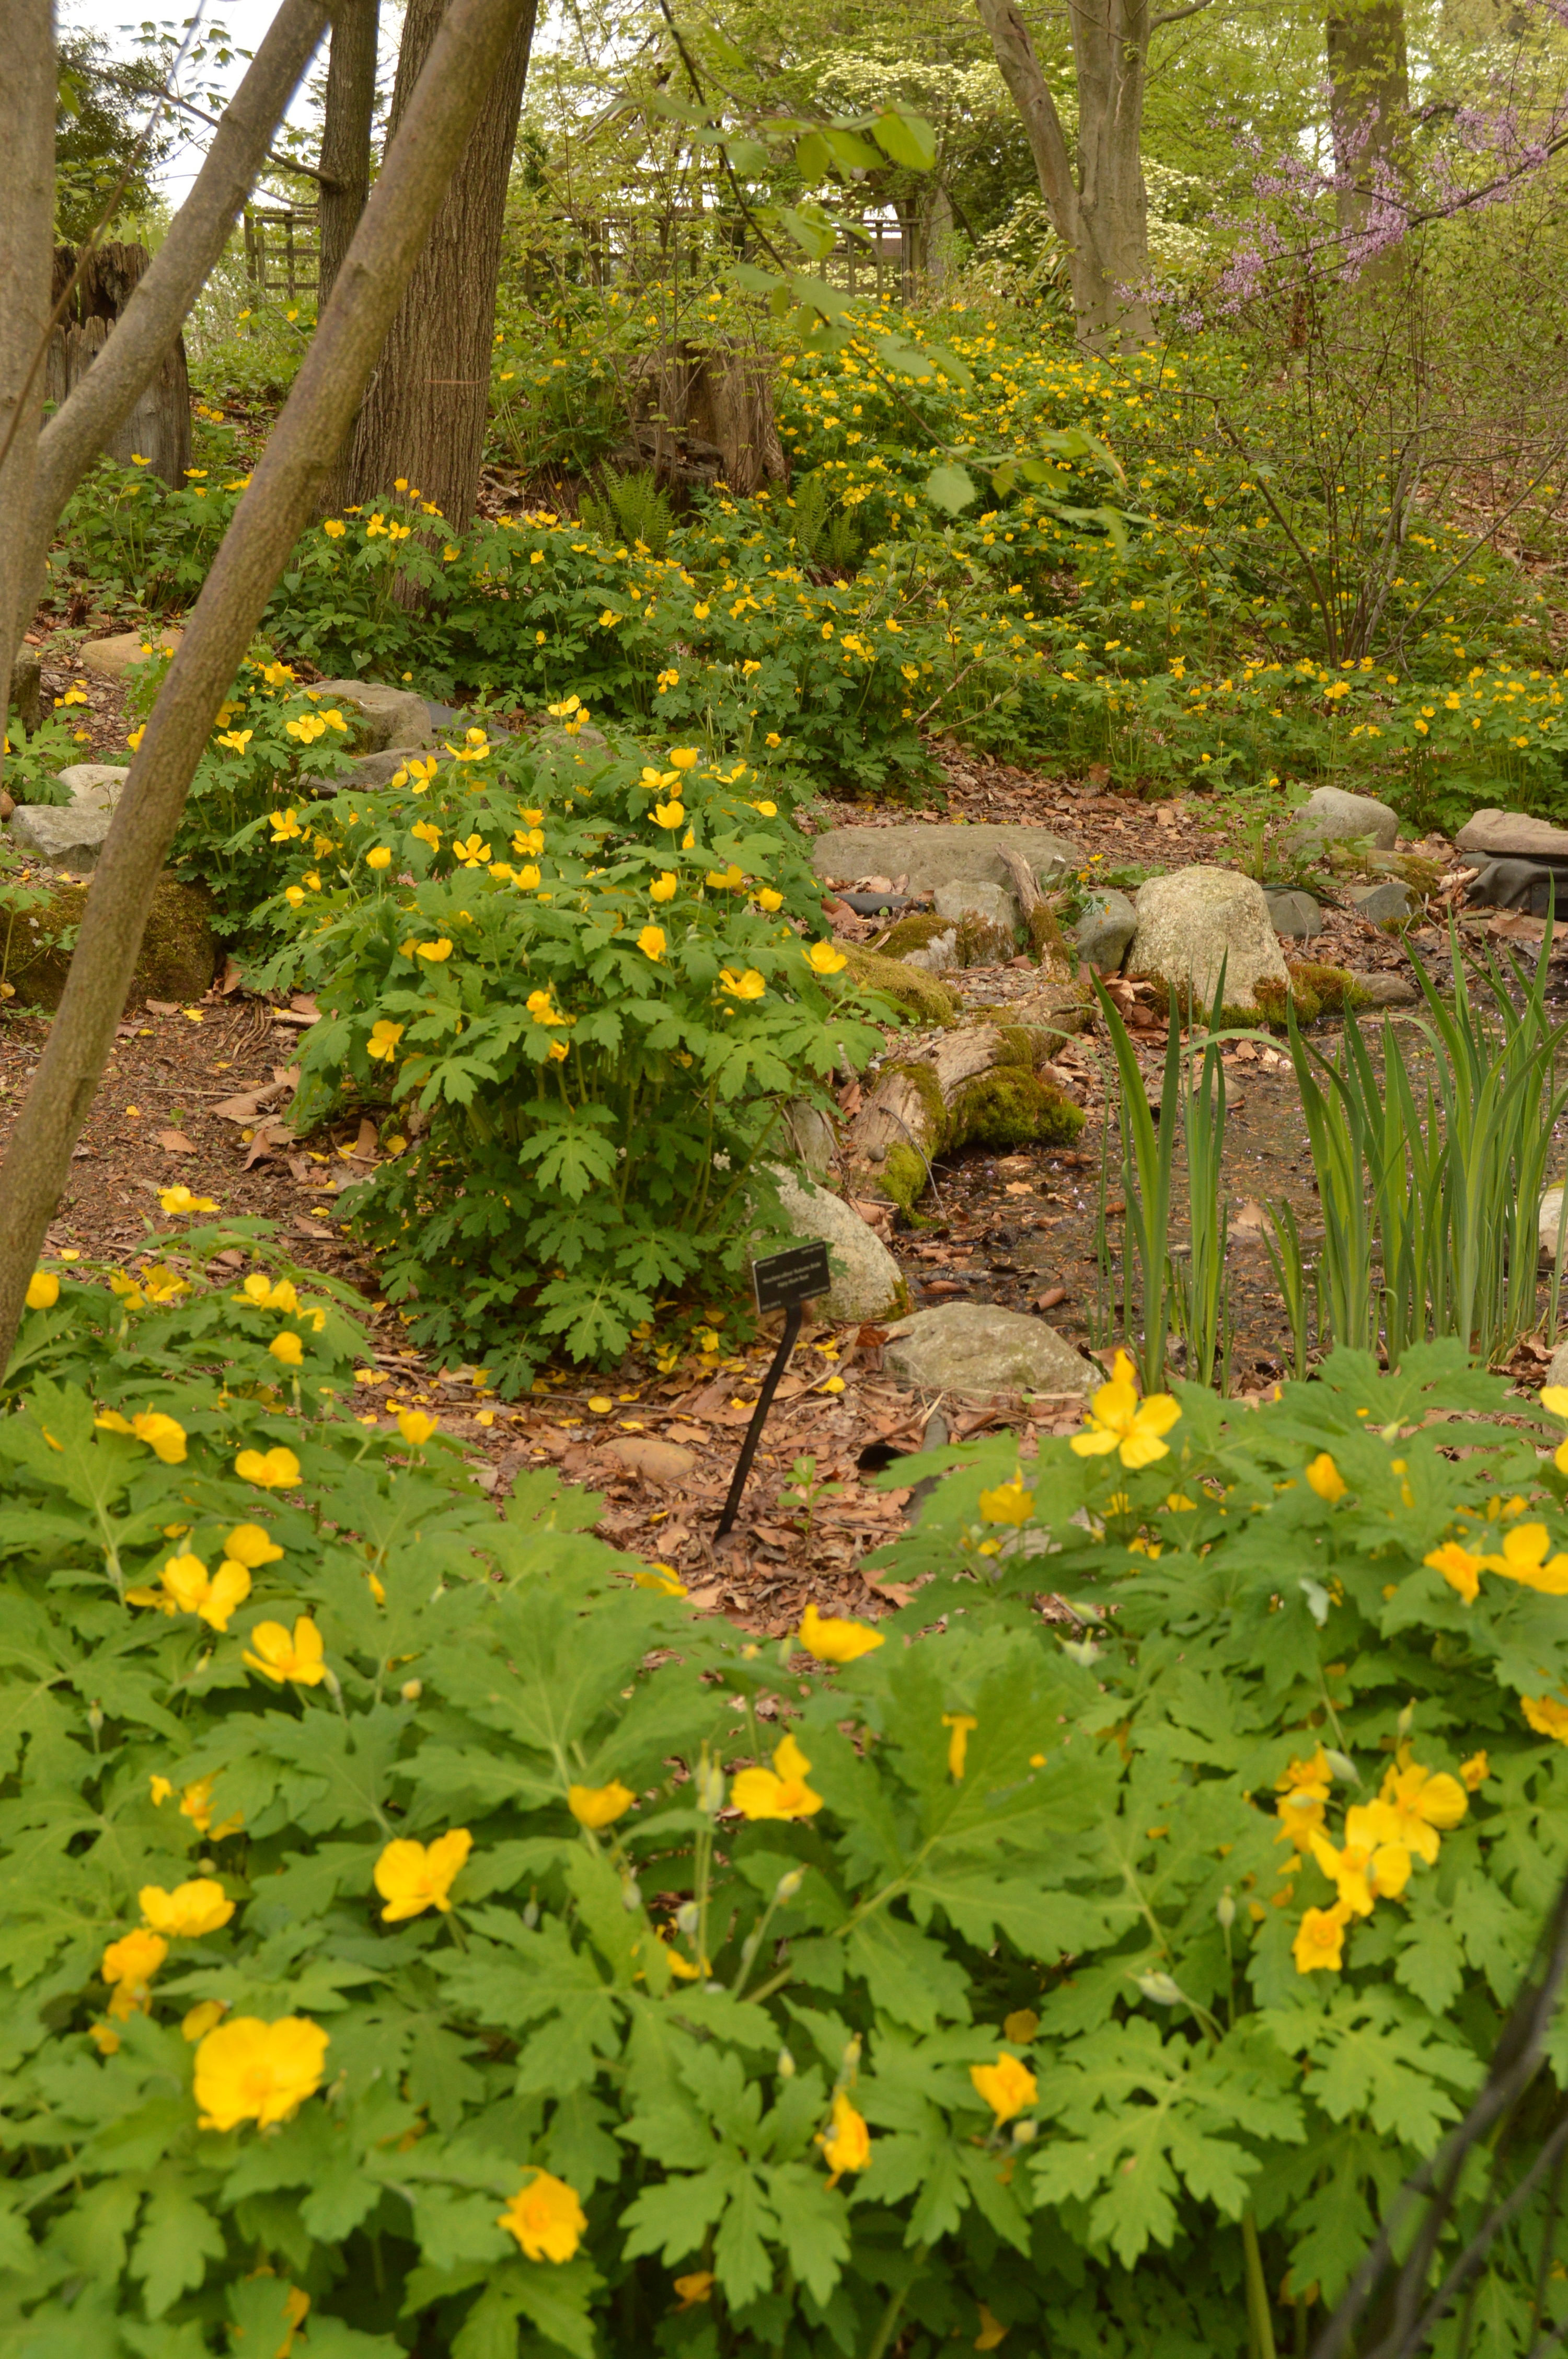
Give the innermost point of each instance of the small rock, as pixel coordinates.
(1387, 991)
(657, 1461)
(1512, 836)
(973, 1347)
(1295, 915)
(95, 786)
(1331, 816)
(1550, 1218)
(1557, 1366)
(935, 956)
(174, 965)
(1388, 904)
(986, 919)
(69, 837)
(1196, 919)
(867, 1281)
(926, 856)
(389, 717)
(112, 659)
(1106, 924)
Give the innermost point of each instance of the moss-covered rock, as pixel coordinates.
(1335, 989)
(913, 933)
(1011, 1106)
(928, 1000)
(178, 954)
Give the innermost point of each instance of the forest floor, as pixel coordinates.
(1018, 1230)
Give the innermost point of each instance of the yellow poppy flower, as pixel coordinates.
(1007, 2086)
(846, 2142)
(651, 943)
(1459, 1568)
(598, 1806)
(1324, 1478)
(747, 986)
(1319, 1943)
(383, 1040)
(1009, 1503)
(833, 1640)
(959, 1724)
(413, 1876)
(823, 959)
(128, 1966)
(1524, 1559)
(434, 951)
(188, 1911)
(546, 2219)
(769, 901)
(212, 1596)
(1418, 1803)
(163, 1436)
(415, 1427)
(270, 1470)
(249, 1544)
(248, 2070)
(665, 887)
(43, 1290)
(780, 1792)
(1119, 1421)
(279, 1656)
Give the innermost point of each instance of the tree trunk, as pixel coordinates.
(1368, 75)
(423, 417)
(468, 54)
(345, 134)
(1099, 210)
(26, 217)
(989, 1084)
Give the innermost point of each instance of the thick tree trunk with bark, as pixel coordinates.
(96, 286)
(423, 417)
(345, 134)
(1098, 206)
(26, 245)
(465, 58)
(1368, 73)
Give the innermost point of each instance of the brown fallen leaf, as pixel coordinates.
(366, 1144)
(161, 1006)
(248, 1105)
(1050, 1298)
(1020, 1188)
(688, 1433)
(229, 979)
(267, 1140)
(937, 1288)
(304, 1228)
(175, 1142)
(1250, 1215)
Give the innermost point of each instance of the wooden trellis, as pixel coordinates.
(283, 251)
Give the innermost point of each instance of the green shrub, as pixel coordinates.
(535, 1954)
(572, 976)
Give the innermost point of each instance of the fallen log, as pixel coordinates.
(981, 1086)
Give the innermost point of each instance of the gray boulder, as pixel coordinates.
(867, 1281)
(70, 838)
(1387, 991)
(1331, 816)
(1527, 885)
(1196, 921)
(1294, 914)
(1549, 1217)
(387, 717)
(1512, 836)
(112, 658)
(1388, 904)
(1557, 1366)
(368, 770)
(1106, 924)
(972, 1347)
(930, 855)
(94, 785)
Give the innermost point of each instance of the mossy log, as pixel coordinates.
(981, 1086)
(928, 1001)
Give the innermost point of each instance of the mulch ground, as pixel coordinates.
(1018, 1230)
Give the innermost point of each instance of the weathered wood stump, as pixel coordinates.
(159, 428)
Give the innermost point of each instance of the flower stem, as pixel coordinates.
(1259, 2325)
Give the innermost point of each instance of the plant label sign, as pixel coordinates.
(796, 1275)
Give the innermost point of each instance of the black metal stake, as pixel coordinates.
(759, 1416)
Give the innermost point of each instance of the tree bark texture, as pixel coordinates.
(1368, 75)
(1099, 209)
(466, 53)
(988, 1085)
(26, 240)
(105, 397)
(423, 417)
(105, 278)
(345, 134)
